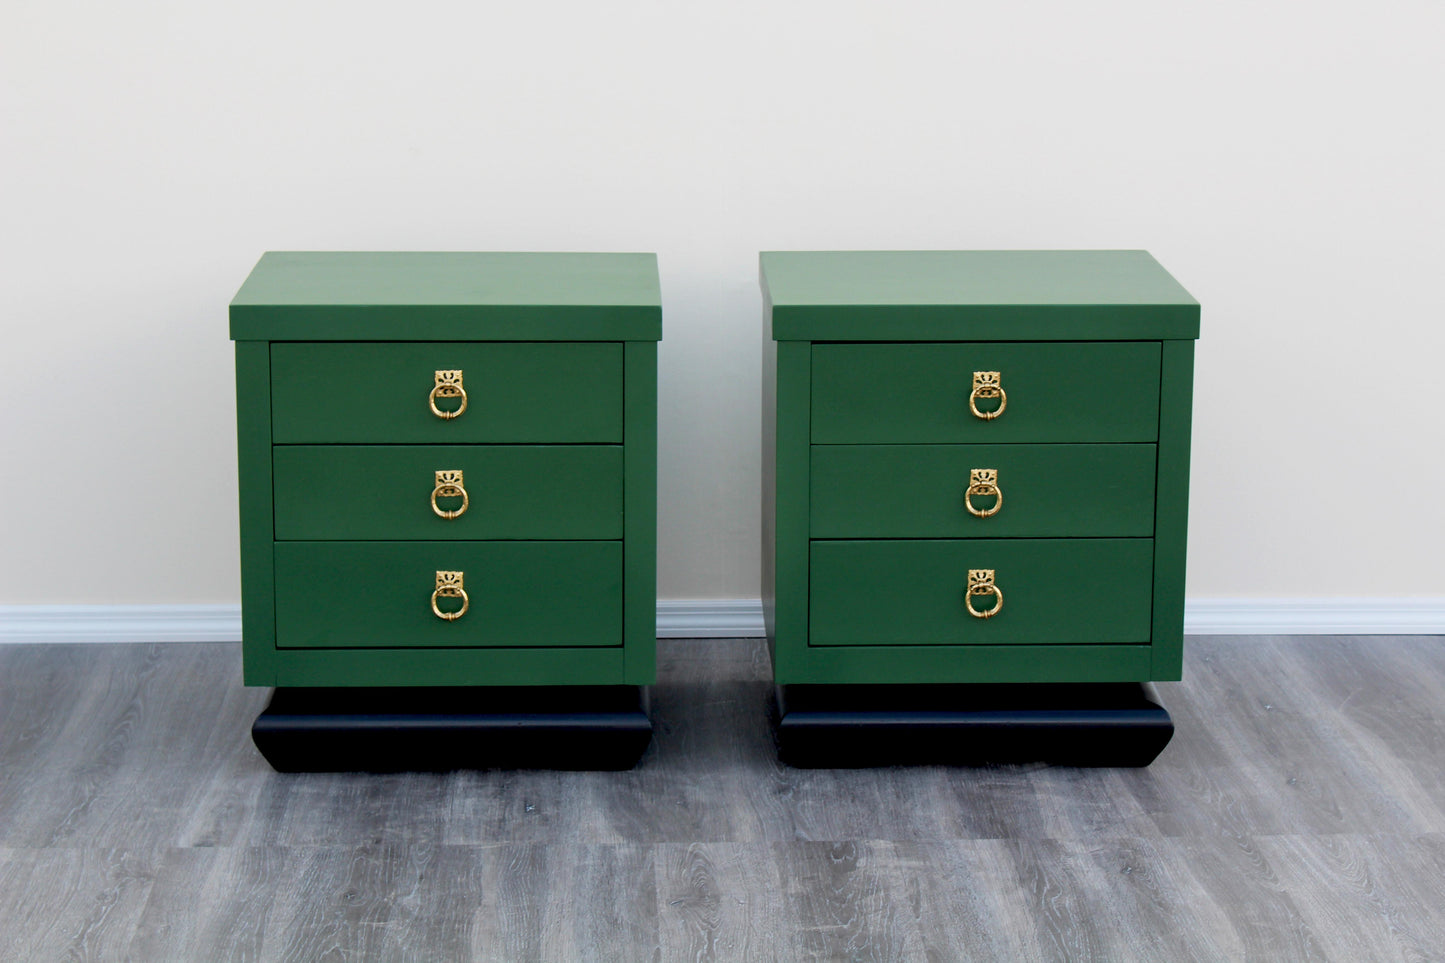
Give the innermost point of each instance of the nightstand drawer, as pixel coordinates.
(921, 393)
(340, 392)
(337, 492)
(917, 491)
(1053, 591)
(350, 594)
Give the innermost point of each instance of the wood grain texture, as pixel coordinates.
(1299, 813)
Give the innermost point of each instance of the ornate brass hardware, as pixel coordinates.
(981, 482)
(448, 385)
(449, 485)
(980, 582)
(987, 384)
(449, 586)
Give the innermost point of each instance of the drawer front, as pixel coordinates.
(919, 393)
(1055, 591)
(379, 392)
(520, 594)
(917, 491)
(334, 492)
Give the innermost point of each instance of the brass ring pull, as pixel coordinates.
(981, 482)
(449, 485)
(987, 384)
(448, 385)
(449, 586)
(980, 582)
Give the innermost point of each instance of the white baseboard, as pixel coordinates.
(1327, 616)
(120, 623)
(729, 618)
(709, 619)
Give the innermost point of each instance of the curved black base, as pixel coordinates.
(1071, 724)
(436, 729)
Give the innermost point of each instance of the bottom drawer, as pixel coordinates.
(1054, 591)
(352, 594)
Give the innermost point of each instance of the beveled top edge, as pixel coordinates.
(451, 279)
(965, 279)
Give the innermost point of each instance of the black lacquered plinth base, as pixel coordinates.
(850, 726)
(435, 729)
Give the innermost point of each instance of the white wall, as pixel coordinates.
(1283, 160)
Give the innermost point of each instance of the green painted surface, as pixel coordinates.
(918, 393)
(347, 594)
(1055, 591)
(974, 296)
(557, 446)
(377, 393)
(768, 490)
(449, 667)
(384, 491)
(916, 491)
(253, 458)
(873, 440)
(904, 664)
(790, 605)
(639, 627)
(1172, 517)
(410, 296)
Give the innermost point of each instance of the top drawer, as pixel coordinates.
(515, 391)
(1051, 392)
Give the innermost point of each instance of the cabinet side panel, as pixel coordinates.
(1172, 508)
(253, 459)
(639, 563)
(790, 607)
(769, 501)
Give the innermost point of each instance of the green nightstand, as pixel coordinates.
(976, 471)
(447, 474)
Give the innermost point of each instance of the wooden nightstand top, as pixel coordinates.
(448, 296)
(974, 295)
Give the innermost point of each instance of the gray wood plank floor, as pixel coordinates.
(1298, 814)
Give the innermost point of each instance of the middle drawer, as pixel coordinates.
(918, 491)
(339, 492)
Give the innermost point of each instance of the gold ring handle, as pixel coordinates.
(449, 586)
(449, 485)
(981, 582)
(987, 384)
(448, 385)
(981, 482)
